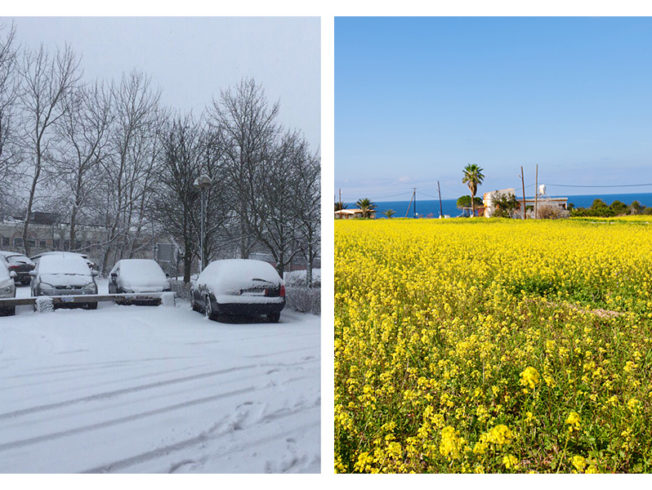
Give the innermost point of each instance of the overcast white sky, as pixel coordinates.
(192, 58)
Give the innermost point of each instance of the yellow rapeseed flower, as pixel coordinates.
(530, 377)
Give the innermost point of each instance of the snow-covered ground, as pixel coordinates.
(157, 389)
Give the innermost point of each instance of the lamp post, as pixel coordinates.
(202, 183)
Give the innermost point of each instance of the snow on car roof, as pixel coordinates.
(140, 268)
(63, 263)
(5, 253)
(235, 274)
(17, 257)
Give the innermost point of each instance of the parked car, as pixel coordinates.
(138, 276)
(239, 287)
(90, 263)
(20, 264)
(64, 274)
(7, 287)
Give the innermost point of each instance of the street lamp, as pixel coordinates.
(202, 183)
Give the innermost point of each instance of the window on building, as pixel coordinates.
(66, 244)
(31, 243)
(5, 241)
(18, 242)
(42, 244)
(56, 243)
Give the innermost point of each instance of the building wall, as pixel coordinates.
(44, 238)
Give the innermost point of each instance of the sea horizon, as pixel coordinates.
(430, 207)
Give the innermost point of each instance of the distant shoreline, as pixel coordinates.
(427, 207)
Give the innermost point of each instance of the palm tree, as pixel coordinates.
(473, 177)
(366, 206)
(389, 213)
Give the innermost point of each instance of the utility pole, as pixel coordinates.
(536, 194)
(441, 213)
(414, 193)
(341, 198)
(523, 183)
(409, 205)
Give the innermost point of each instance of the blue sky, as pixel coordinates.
(416, 99)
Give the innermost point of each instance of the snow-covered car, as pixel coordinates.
(138, 276)
(239, 287)
(90, 263)
(20, 264)
(7, 288)
(64, 274)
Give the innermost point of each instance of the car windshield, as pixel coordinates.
(63, 265)
(141, 269)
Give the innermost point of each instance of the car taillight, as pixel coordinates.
(283, 291)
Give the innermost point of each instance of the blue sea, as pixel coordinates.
(430, 208)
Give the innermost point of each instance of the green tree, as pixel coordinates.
(472, 177)
(366, 206)
(505, 203)
(465, 201)
(618, 207)
(389, 213)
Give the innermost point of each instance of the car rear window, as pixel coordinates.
(19, 259)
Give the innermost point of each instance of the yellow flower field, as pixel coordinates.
(493, 345)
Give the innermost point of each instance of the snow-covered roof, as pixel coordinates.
(223, 276)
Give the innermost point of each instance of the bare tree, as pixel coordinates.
(9, 154)
(177, 200)
(82, 134)
(128, 168)
(307, 191)
(246, 124)
(46, 81)
(275, 201)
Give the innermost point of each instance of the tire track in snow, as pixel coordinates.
(110, 394)
(96, 365)
(269, 354)
(120, 420)
(82, 376)
(193, 441)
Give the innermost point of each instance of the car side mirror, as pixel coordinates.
(94, 273)
(31, 273)
(13, 274)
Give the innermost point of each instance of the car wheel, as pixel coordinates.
(193, 304)
(274, 317)
(208, 308)
(92, 306)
